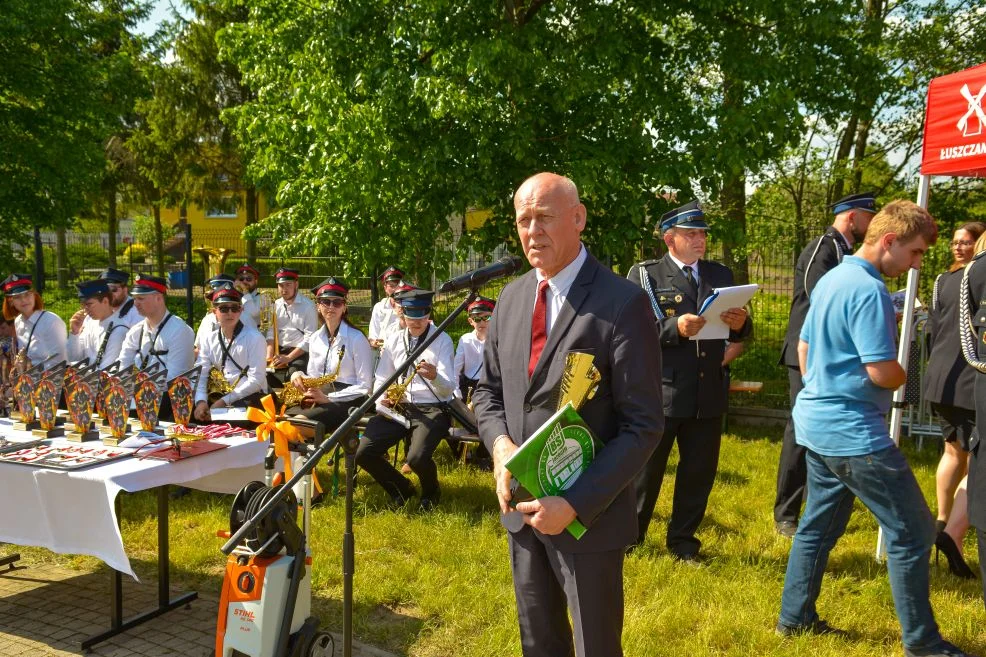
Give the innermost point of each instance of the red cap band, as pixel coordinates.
(143, 282)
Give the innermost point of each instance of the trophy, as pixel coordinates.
(147, 396)
(104, 382)
(24, 416)
(181, 391)
(579, 380)
(80, 397)
(46, 397)
(116, 408)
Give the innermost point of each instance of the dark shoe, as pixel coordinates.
(400, 500)
(944, 649)
(318, 499)
(786, 528)
(429, 503)
(692, 559)
(819, 627)
(956, 564)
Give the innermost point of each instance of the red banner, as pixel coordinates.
(955, 125)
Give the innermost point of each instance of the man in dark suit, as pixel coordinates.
(693, 378)
(852, 218)
(569, 303)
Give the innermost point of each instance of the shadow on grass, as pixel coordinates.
(731, 478)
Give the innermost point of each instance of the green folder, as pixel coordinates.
(555, 456)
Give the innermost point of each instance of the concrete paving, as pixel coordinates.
(48, 610)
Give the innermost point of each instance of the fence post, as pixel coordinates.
(39, 262)
(188, 274)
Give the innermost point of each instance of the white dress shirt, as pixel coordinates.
(248, 351)
(44, 336)
(558, 287)
(356, 368)
(107, 335)
(170, 343)
(468, 358)
(206, 326)
(129, 318)
(295, 322)
(251, 310)
(382, 319)
(439, 353)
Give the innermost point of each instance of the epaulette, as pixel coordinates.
(979, 255)
(646, 263)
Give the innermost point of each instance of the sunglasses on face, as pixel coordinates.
(229, 309)
(245, 279)
(114, 288)
(335, 303)
(481, 318)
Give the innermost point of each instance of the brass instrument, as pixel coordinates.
(213, 258)
(218, 385)
(395, 393)
(292, 396)
(273, 327)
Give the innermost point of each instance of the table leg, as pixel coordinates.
(165, 602)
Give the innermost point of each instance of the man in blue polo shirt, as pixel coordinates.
(847, 354)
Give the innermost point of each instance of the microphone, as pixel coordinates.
(479, 277)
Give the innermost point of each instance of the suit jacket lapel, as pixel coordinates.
(528, 290)
(704, 287)
(576, 295)
(677, 278)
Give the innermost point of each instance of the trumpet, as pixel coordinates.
(268, 320)
(292, 396)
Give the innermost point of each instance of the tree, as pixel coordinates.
(378, 123)
(60, 95)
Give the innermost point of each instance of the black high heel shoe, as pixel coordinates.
(956, 564)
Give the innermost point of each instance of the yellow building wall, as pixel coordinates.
(217, 226)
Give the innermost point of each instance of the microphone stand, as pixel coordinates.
(315, 454)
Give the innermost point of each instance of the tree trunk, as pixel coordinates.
(733, 198)
(158, 242)
(111, 226)
(251, 218)
(61, 259)
(842, 158)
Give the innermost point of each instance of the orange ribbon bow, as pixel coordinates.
(283, 432)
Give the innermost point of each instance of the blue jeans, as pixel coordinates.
(885, 484)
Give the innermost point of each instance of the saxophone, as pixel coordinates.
(292, 396)
(218, 385)
(395, 393)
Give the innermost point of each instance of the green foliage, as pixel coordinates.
(63, 89)
(144, 231)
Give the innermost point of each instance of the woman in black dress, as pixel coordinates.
(948, 385)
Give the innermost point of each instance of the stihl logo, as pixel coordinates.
(243, 614)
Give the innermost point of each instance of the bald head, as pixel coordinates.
(550, 220)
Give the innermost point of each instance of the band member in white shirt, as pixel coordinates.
(209, 324)
(159, 337)
(384, 315)
(96, 331)
(236, 351)
(469, 353)
(422, 405)
(297, 319)
(40, 333)
(123, 304)
(340, 349)
(247, 280)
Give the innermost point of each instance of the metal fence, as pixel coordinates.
(769, 262)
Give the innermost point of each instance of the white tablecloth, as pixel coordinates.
(73, 511)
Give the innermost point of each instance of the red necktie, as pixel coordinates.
(539, 322)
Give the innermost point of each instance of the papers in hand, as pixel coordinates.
(721, 300)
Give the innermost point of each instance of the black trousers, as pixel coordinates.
(698, 458)
(429, 424)
(278, 378)
(331, 415)
(792, 472)
(548, 584)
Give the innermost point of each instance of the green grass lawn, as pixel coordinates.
(438, 584)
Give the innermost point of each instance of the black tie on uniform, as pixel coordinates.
(690, 275)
